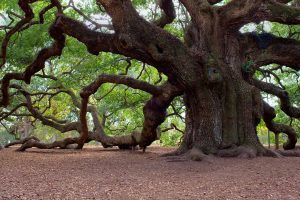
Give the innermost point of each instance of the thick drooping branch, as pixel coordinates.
(240, 12)
(97, 42)
(284, 52)
(151, 44)
(286, 105)
(62, 126)
(93, 87)
(39, 63)
(94, 41)
(98, 134)
(268, 115)
(264, 49)
(154, 110)
(168, 14)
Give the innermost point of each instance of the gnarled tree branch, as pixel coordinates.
(268, 116)
(286, 106)
(37, 65)
(240, 12)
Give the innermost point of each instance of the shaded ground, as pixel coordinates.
(111, 174)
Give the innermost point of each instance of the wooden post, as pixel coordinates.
(269, 142)
(277, 141)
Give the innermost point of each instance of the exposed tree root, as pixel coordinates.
(272, 153)
(196, 154)
(240, 151)
(182, 154)
(177, 158)
(180, 151)
(251, 152)
(289, 153)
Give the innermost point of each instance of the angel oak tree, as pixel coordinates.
(213, 68)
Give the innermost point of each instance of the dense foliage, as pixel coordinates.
(120, 107)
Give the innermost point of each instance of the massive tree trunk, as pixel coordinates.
(223, 110)
(213, 68)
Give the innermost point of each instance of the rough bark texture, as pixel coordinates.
(210, 68)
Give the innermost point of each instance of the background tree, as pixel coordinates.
(198, 47)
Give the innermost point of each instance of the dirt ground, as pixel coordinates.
(111, 174)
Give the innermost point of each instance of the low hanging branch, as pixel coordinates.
(128, 141)
(268, 116)
(93, 87)
(154, 110)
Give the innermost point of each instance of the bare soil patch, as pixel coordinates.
(96, 173)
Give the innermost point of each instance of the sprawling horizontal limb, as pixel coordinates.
(240, 12)
(95, 41)
(264, 49)
(146, 42)
(22, 141)
(98, 134)
(63, 144)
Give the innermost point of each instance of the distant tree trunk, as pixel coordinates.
(24, 128)
(276, 141)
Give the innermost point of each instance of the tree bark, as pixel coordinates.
(223, 110)
(213, 68)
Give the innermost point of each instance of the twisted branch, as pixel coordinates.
(268, 116)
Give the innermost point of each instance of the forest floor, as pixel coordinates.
(112, 174)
